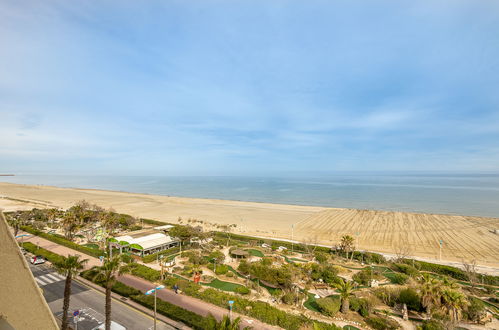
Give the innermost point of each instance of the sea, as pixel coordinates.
(457, 194)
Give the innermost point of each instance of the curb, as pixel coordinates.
(134, 305)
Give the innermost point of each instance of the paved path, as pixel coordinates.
(192, 304)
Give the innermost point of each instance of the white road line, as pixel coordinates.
(56, 279)
(59, 276)
(40, 281)
(45, 279)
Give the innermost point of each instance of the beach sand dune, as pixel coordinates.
(464, 238)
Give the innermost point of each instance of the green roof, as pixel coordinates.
(112, 239)
(136, 247)
(124, 243)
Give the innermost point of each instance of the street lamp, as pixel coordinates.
(214, 264)
(151, 292)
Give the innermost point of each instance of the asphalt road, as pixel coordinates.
(89, 301)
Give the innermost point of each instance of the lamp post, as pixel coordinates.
(214, 264)
(151, 292)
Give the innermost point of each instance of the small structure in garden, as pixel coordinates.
(239, 254)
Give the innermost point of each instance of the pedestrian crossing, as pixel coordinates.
(48, 278)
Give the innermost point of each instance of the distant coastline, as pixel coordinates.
(7, 174)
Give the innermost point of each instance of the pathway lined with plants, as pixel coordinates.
(189, 303)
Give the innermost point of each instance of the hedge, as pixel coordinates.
(258, 309)
(167, 309)
(38, 251)
(63, 241)
(154, 256)
(145, 272)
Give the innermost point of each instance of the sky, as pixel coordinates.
(248, 87)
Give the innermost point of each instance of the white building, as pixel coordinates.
(144, 243)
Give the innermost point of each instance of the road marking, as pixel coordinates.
(55, 278)
(46, 279)
(40, 281)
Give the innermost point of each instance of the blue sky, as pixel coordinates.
(248, 87)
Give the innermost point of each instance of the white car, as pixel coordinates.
(37, 260)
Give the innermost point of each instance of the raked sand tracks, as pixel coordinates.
(463, 237)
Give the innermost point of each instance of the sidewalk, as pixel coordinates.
(192, 304)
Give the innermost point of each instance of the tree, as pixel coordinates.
(453, 302)
(68, 267)
(108, 273)
(345, 289)
(70, 224)
(470, 269)
(225, 324)
(183, 233)
(52, 215)
(110, 221)
(347, 244)
(431, 292)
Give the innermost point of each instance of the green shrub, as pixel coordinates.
(221, 269)
(365, 275)
(388, 295)
(411, 298)
(321, 257)
(453, 272)
(50, 256)
(381, 323)
(329, 306)
(360, 305)
(398, 278)
(432, 325)
(145, 272)
(406, 269)
(475, 310)
(242, 290)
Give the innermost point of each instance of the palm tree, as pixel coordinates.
(450, 283)
(453, 303)
(69, 267)
(69, 224)
(346, 244)
(224, 324)
(431, 292)
(345, 289)
(108, 273)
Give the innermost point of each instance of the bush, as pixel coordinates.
(389, 296)
(406, 269)
(63, 241)
(145, 272)
(381, 323)
(364, 276)
(169, 310)
(432, 325)
(453, 272)
(50, 256)
(329, 306)
(221, 269)
(291, 298)
(360, 305)
(398, 278)
(411, 298)
(475, 310)
(321, 257)
(242, 290)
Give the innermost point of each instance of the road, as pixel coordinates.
(190, 303)
(88, 300)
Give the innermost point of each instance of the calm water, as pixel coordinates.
(448, 194)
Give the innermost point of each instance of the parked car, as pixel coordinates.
(36, 260)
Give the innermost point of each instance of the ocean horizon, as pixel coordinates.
(463, 194)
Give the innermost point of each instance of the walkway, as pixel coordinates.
(192, 304)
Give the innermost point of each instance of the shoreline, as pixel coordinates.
(465, 237)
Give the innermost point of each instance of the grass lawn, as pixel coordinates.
(256, 253)
(221, 285)
(311, 304)
(92, 246)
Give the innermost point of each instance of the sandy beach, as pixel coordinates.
(463, 237)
